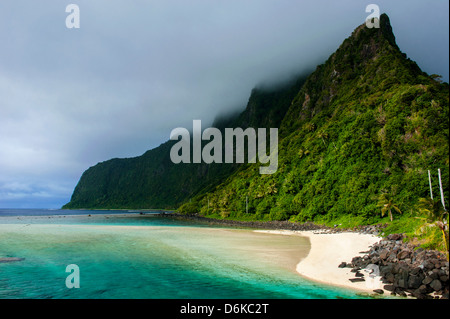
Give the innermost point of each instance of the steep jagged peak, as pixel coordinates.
(385, 31)
(368, 61)
(365, 122)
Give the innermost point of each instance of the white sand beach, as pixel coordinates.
(328, 251)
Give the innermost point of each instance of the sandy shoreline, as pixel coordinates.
(328, 251)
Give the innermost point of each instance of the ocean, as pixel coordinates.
(128, 255)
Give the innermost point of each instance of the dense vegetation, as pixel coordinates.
(362, 133)
(357, 139)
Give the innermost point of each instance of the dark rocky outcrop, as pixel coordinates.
(406, 269)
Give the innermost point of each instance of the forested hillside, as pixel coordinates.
(366, 126)
(356, 139)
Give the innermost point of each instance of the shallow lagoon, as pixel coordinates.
(149, 256)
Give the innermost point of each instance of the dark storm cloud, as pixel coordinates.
(70, 98)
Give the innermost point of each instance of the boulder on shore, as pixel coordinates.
(404, 268)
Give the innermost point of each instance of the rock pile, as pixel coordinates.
(405, 270)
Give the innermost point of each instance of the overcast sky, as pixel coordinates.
(134, 70)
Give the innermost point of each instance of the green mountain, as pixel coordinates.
(367, 121)
(153, 181)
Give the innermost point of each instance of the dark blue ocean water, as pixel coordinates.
(128, 255)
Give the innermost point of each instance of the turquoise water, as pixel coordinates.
(135, 256)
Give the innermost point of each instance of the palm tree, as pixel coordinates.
(386, 202)
(323, 135)
(310, 126)
(435, 216)
(302, 152)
